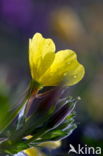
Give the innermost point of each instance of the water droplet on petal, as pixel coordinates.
(75, 76)
(65, 74)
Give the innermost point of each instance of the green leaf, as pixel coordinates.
(8, 116)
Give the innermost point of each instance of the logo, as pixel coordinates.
(85, 150)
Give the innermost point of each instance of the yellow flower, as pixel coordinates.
(49, 68)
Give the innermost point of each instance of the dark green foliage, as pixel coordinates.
(46, 116)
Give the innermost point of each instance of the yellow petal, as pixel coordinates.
(33, 152)
(65, 66)
(41, 55)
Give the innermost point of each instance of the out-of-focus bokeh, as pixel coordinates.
(77, 25)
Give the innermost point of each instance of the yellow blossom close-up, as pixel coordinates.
(51, 78)
(50, 68)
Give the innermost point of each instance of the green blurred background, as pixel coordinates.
(77, 25)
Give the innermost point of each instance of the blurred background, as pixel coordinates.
(77, 25)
